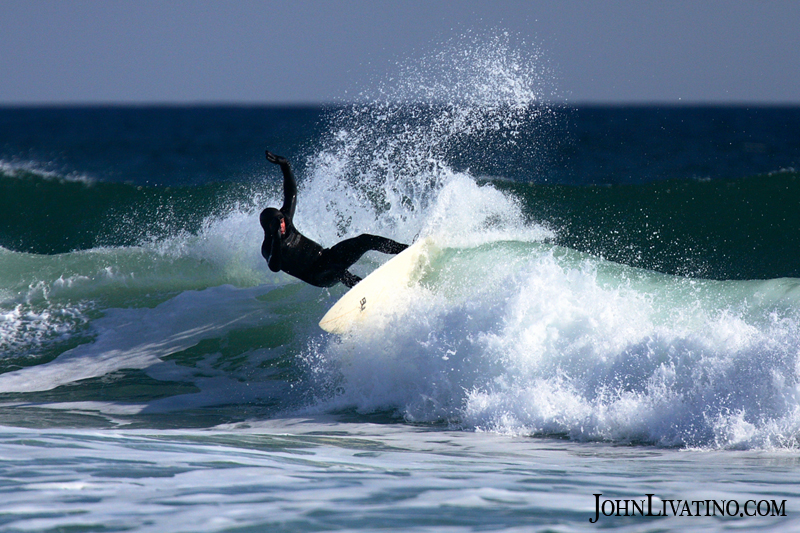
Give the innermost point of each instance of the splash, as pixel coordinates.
(388, 157)
(529, 339)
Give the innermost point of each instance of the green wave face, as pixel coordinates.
(747, 228)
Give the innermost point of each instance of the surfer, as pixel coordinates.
(287, 249)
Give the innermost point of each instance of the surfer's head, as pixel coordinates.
(271, 219)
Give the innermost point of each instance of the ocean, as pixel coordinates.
(614, 318)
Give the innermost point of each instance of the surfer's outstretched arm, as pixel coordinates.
(289, 184)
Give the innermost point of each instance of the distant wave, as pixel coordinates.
(45, 212)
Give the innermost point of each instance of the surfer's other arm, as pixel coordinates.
(289, 184)
(274, 260)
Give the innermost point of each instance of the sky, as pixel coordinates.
(321, 51)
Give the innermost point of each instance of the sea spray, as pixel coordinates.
(386, 158)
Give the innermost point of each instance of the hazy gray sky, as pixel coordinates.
(304, 51)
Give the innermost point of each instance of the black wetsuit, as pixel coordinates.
(303, 258)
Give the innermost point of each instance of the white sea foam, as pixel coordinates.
(27, 330)
(520, 338)
(139, 338)
(17, 169)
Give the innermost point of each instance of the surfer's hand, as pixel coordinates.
(278, 160)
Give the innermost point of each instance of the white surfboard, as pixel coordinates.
(379, 291)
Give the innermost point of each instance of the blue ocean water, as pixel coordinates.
(616, 311)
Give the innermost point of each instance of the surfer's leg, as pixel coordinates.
(348, 251)
(333, 262)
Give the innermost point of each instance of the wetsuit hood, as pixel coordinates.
(270, 219)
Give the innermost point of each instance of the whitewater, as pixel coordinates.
(156, 376)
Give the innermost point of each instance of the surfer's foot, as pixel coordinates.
(349, 279)
(397, 247)
(384, 245)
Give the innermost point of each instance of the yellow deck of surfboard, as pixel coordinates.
(377, 292)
